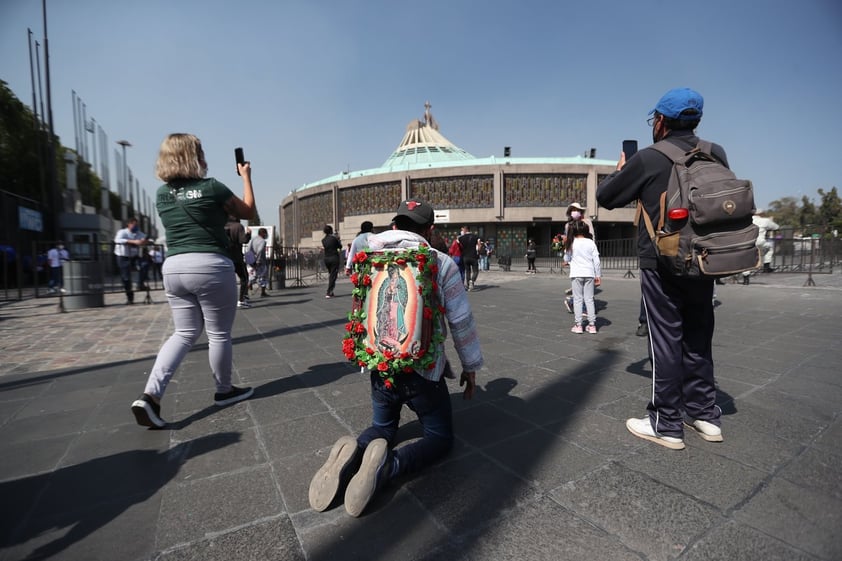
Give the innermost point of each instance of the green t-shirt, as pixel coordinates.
(192, 213)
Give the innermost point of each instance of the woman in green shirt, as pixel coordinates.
(199, 276)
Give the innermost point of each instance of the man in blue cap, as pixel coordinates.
(679, 310)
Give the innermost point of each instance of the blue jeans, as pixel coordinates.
(430, 401)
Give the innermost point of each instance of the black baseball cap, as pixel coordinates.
(419, 211)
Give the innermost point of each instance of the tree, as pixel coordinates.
(21, 140)
(785, 211)
(830, 209)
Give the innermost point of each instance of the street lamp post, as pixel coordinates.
(124, 144)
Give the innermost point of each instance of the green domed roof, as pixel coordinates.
(424, 144)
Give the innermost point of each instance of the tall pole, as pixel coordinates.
(36, 126)
(75, 121)
(93, 149)
(51, 142)
(124, 144)
(40, 91)
(32, 77)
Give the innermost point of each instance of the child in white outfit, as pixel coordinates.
(585, 272)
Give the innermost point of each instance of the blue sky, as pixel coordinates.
(311, 88)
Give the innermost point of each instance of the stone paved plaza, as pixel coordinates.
(543, 468)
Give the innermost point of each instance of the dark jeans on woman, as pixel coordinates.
(243, 275)
(332, 266)
(430, 401)
(530, 263)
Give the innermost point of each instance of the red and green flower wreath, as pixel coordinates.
(385, 362)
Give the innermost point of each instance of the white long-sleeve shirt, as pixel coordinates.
(583, 258)
(452, 296)
(763, 225)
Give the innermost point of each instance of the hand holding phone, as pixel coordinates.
(239, 157)
(629, 148)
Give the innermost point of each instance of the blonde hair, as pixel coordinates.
(181, 157)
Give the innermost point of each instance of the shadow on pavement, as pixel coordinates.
(472, 508)
(84, 497)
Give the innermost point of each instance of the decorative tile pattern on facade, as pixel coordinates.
(470, 191)
(511, 241)
(314, 213)
(544, 190)
(289, 225)
(369, 199)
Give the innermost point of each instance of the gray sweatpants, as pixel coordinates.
(583, 289)
(202, 293)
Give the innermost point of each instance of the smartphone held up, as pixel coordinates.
(629, 148)
(239, 157)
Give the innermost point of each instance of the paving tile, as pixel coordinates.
(698, 472)
(194, 510)
(735, 541)
(817, 469)
(270, 539)
(539, 531)
(647, 516)
(805, 519)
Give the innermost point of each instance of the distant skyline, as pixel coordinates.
(313, 88)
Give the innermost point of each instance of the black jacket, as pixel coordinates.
(237, 236)
(645, 176)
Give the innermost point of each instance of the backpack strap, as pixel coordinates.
(673, 152)
(650, 228)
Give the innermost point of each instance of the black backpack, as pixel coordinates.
(705, 227)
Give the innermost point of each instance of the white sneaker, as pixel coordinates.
(243, 304)
(642, 428)
(708, 431)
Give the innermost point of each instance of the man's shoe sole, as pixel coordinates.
(325, 484)
(364, 483)
(671, 445)
(708, 437)
(235, 399)
(145, 416)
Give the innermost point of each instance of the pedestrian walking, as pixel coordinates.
(198, 273)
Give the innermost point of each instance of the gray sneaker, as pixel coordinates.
(375, 470)
(342, 462)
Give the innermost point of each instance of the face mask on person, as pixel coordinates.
(135, 229)
(575, 215)
(60, 246)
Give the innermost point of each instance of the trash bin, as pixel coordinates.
(83, 281)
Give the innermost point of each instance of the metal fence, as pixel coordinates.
(805, 255)
(24, 271)
(618, 255)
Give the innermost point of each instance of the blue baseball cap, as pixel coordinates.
(677, 101)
